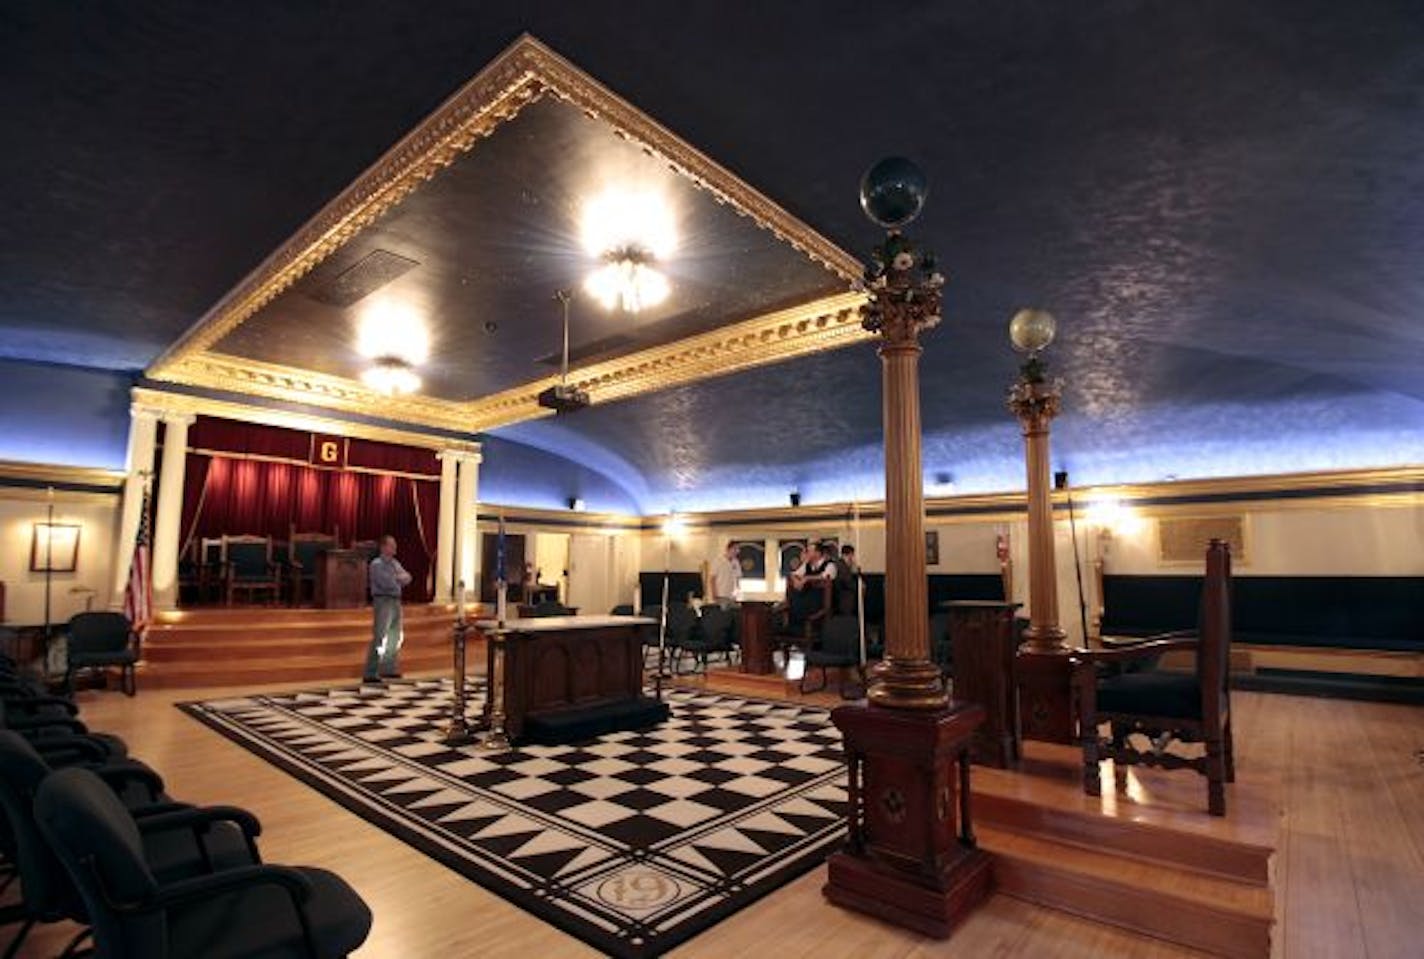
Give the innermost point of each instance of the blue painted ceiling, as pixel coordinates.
(1222, 203)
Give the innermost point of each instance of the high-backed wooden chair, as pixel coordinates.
(302, 552)
(1165, 705)
(807, 610)
(248, 567)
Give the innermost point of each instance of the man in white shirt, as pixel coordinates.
(726, 575)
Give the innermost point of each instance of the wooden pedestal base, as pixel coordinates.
(886, 893)
(1045, 685)
(910, 856)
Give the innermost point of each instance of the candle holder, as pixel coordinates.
(496, 740)
(459, 733)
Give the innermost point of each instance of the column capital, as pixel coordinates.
(141, 411)
(176, 418)
(461, 455)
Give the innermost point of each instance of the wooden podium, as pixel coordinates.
(754, 634)
(985, 643)
(341, 579)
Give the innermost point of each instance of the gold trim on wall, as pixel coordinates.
(59, 475)
(524, 73)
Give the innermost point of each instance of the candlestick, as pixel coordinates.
(460, 602)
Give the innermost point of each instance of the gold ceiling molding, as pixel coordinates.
(522, 74)
(824, 324)
(306, 422)
(58, 475)
(516, 517)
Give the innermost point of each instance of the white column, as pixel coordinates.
(143, 439)
(467, 559)
(445, 532)
(169, 514)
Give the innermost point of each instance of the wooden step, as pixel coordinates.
(1216, 915)
(203, 642)
(256, 674)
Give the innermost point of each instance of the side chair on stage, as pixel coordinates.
(1165, 705)
(248, 567)
(301, 559)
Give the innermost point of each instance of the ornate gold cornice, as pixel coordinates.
(1331, 488)
(823, 324)
(517, 516)
(522, 74)
(228, 409)
(56, 475)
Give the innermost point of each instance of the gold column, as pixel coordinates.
(907, 678)
(1035, 404)
(904, 291)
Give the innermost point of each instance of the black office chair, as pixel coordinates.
(258, 910)
(839, 646)
(50, 722)
(710, 636)
(99, 641)
(47, 894)
(551, 607)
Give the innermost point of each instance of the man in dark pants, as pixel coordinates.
(388, 578)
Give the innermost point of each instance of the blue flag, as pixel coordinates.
(499, 556)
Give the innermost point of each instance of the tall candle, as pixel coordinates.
(460, 603)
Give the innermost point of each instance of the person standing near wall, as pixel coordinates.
(726, 575)
(388, 578)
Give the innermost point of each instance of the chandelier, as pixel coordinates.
(628, 231)
(391, 375)
(627, 279)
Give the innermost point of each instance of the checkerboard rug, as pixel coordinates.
(632, 842)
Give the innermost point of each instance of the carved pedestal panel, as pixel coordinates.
(910, 856)
(984, 644)
(1045, 683)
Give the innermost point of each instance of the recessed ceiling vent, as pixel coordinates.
(361, 279)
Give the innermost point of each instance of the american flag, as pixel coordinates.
(138, 595)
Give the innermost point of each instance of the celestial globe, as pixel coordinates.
(1032, 330)
(893, 192)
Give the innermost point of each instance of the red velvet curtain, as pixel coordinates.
(227, 495)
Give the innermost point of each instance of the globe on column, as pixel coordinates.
(893, 192)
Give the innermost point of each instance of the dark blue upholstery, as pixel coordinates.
(680, 586)
(1352, 612)
(940, 588)
(1151, 693)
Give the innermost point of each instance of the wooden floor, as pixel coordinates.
(1350, 867)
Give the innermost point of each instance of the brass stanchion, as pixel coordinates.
(458, 733)
(496, 740)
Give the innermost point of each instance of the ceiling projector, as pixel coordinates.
(563, 398)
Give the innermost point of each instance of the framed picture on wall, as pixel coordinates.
(791, 551)
(751, 556)
(54, 548)
(932, 547)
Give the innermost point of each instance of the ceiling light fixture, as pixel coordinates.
(391, 375)
(627, 280)
(629, 232)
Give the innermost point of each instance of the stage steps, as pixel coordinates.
(1162, 868)
(254, 646)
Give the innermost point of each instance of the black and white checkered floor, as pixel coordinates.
(633, 842)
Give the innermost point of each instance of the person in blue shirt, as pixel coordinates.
(388, 578)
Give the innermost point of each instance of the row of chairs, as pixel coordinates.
(89, 835)
(223, 568)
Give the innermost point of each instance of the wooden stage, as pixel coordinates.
(1149, 859)
(255, 645)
